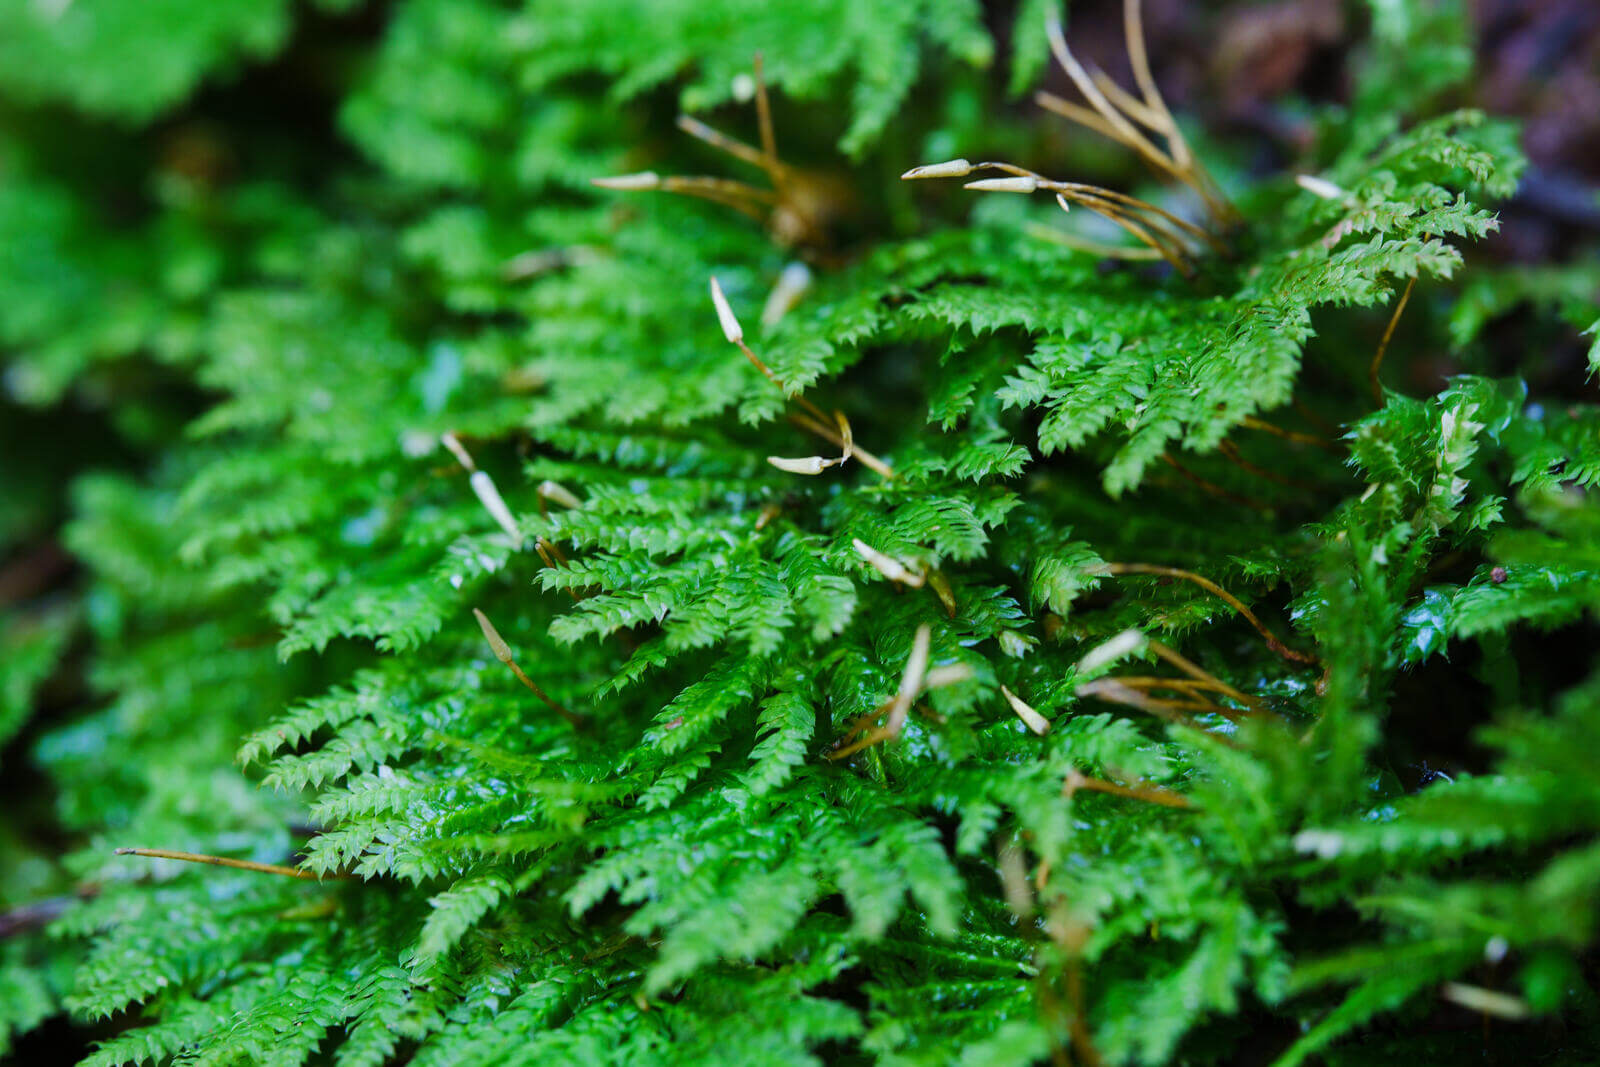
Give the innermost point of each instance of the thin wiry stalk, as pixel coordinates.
(224, 861)
(1114, 689)
(1191, 688)
(788, 209)
(1109, 690)
(1199, 673)
(1139, 60)
(814, 419)
(1071, 189)
(1152, 233)
(1165, 234)
(1212, 487)
(1383, 345)
(722, 190)
(769, 138)
(1146, 791)
(913, 680)
(1132, 106)
(1221, 594)
(1165, 248)
(1230, 452)
(1117, 114)
(1253, 423)
(717, 139)
(502, 652)
(1083, 116)
(1093, 248)
(1126, 132)
(1197, 232)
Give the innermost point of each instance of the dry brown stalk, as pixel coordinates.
(913, 681)
(797, 209)
(1212, 488)
(1146, 791)
(224, 861)
(1200, 674)
(502, 652)
(1253, 423)
(1383, 345)
(835, 429)
(1221, 594)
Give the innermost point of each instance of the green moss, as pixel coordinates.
(273, 628)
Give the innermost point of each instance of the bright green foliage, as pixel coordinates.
(867, 52)
(280, 563)
(55, 51)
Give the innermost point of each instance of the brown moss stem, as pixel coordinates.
(502, 652)
(1146, 791)
(1212, 487)
(1383, 345)
(224, 861)
(1221, 594)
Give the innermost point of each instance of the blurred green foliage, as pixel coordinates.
(256, 258)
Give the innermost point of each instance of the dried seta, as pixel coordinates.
(1025, 711)
(887, 566)
(485, 490)
(799, 207)
(502, 652)
(803, 465)
(914, 680)
(835, 430)
(1119, 115)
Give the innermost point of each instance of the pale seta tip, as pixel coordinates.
(730, 324)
